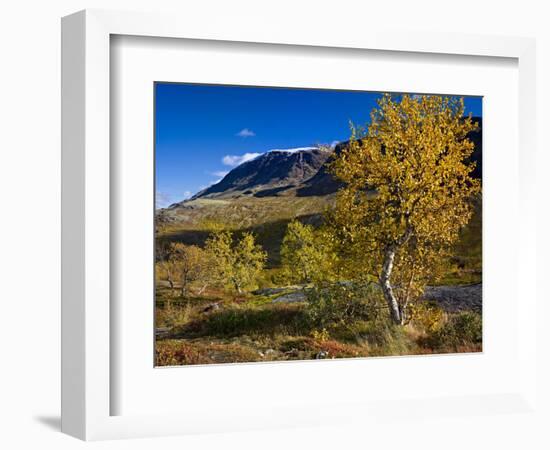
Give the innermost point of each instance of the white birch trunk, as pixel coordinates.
(387, 289)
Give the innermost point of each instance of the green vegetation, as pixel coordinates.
(287, 278)
(254, 328)
(307, 256)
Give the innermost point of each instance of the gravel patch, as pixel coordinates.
(450, 298)
(292, 297)
(456, 298)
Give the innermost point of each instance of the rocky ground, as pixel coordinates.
(456, 298)
(450, 298)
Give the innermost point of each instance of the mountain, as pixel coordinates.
(322, 183)
(301, 172)
(269, 174)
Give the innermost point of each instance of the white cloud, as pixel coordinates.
(245, 132)
(162, 199)
(235, 160)
(219, 173)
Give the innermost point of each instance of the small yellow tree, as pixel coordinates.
(167, 270)
(166, 267)
(191, 264)
(219, 248)
(306, 255)
(408, 191)
(249, 261)
(236, 264)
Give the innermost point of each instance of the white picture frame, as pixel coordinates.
(87, 386)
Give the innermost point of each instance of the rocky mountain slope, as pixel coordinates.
(269, 174)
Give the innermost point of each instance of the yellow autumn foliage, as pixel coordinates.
(408, 193)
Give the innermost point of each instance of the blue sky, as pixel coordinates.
(203, 131)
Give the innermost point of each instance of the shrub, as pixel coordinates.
(464, 329)
(238, 321)
(176, 352)
(173, 315)
(383, 337)
(173, 353)
(341, 303)
(428, 316)
(321, 336)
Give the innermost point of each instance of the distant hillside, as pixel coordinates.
(266, 217)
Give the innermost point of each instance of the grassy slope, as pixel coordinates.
(267, 217)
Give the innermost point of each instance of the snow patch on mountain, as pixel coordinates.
(292, 150)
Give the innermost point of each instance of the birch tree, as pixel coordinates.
(306, 255)
(191, 263)
(237, 264)
(408, 193)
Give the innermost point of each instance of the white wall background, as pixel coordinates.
(30, 189)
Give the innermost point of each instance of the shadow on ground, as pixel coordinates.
(51, 422)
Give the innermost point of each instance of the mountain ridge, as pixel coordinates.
(272, 172)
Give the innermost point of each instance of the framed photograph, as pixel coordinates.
(252, 217)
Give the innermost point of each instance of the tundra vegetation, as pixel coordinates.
(336, 276)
